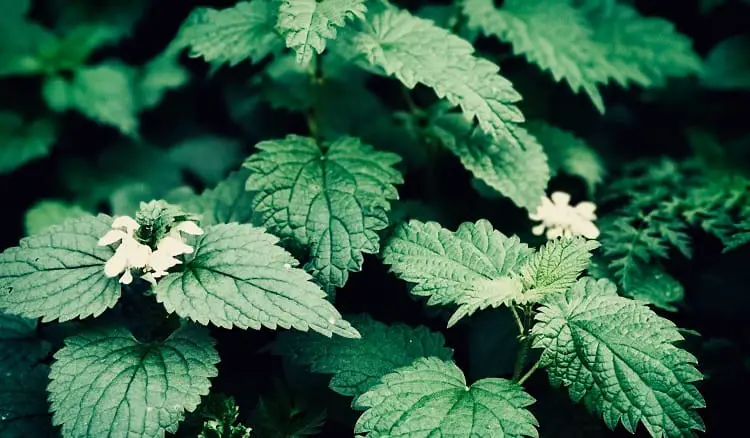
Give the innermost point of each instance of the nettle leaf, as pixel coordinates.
(239, 277)
(332, 199)
(642, 50)
(357, 365)
(457, 267)
(727, 64)
(104, 93)
(619, 357)
(59, 274)
(415, 50)
(245, 31)
(568, 153)
(521, 174)
(19, 343)
(158, 76)
(226, 203)
(549, 33)
(307, 24)
(46, 213)
(430, 398)
(22, 142)
(555, 267)
(24, 411)
(107, 383)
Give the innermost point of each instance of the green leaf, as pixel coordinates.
(105, 93)
(46, 213)
(650, 283)
(307, 24)
(521, 174)
(19, 343)
(415, 50)
(619, 357)
(24, 411)
(568, 153)
(161, 74)
(20, 44)
(549, 33)
(555, 267)
(727, 65)
(245, 31)
(22, 142)
(239, 277)
(449, 266)
(357, 365)
(642, 50)
(333, 200)
(431, 398)
(106, 382)
(208, 157)
(59, 274)
(226, 203)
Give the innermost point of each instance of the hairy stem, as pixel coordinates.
(528, 374)
(523, 353)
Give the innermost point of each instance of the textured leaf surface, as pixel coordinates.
(107, 383)
(245, 31)
(22, 142)
(59, 274)
(415, 50)
(239, 277)
(19, 343)
(307, 24)
(24, 412)
(521, 174)
(619, 357)
(227, 202)
(333, 202)
(555, 267)
(358, 364)
(550, 33)
(430, 398)
(46, 213)
(447, 266)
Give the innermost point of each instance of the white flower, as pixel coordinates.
(130, 253)
(562, 219)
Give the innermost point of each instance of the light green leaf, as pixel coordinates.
(161, 74)
(46, 213)
(21, 42)
(22, 142)
(521, 174)
(619, 357)
(415, 50)
(549, 33)
(307, 24)
(24, 411)
(357, 365)
(105, 93)
(332, 200)
(19, 344)
(239, 277)
(728, 64)
(245, 31)
(226, 203)
(447, 266)
(568, 153)
(431, 398)
(107, 383)
(555, 267)
(59, 274)
(489, 293)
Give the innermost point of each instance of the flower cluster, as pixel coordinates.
(131, 254)
(560, 218)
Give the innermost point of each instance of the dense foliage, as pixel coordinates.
(287, 218)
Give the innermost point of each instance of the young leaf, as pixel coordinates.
(555, 267)
(333, 200)
(550, 33)
(357, 365)
(245, 31)
(24, 411)
(430, 398)
(619, 357)
(46, 213)
(226, 203)
(22, 142)
(307, 24)
(415, 50)
(239, 277)
(521, 174)
(106, 382)
(59, 274)
(19, 343)
(450, 265)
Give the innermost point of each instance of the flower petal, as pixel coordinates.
(127, 277)
(560, 199)
(586, 229)
(160, 261)
(150, 278)
(126, 222)
(138, 254)
(189, 227)
(538, 230)
(111, 237)
(173, 246)
(116, 264)
(586, 210)
(555, 232)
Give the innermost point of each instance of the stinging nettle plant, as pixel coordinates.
(108, 322)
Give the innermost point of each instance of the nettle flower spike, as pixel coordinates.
(559, 218)
(130, 254)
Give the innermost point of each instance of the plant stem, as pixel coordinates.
(529, 373)
(521, 330)
(523, 353)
